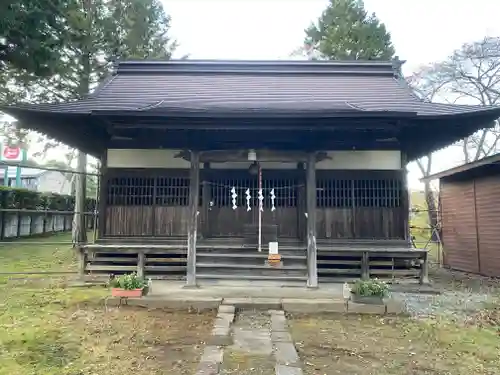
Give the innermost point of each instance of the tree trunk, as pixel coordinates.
(431, 210)
(79, 229)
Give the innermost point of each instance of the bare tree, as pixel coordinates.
(471, 75)
(426, 92)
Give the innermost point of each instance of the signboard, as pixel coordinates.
(273, 248)
(12, 154)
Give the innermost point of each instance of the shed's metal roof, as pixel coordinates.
(209, 87)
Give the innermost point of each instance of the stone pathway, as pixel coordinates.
(258, 343)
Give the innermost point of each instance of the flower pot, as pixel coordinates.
(134, 293)
(369, 300)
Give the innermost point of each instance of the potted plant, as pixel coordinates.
(371, 291)
(128, 285)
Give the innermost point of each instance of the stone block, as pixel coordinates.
(278, 323)
(280, 336)
(361, 308)
(207, 368)
(221, 336)
(225, 317)
(393, 307)
(254, 303)
(212, 354)
(311, 306)
(276, 312)
(198, 303)
(286, 354)
(287, 370)
(227, 309)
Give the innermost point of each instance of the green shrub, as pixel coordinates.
(372, 287)
(19, 198)
(128, 282)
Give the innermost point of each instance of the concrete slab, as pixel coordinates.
(225, 319)
(279, 323)
(359, 308)
(198, 303)
(393, 307)
(212, 354)
(227, 309)
(253, 303)
(221, 336)
(255, 341)
(286, 354)
(281, 336)
(307, 306)
(207, 368)
(276, 312)
(230, 289)
(287, 370)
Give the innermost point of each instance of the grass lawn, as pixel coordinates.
(349, 344)
(48, 329)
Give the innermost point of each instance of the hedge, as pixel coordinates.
(23, 199)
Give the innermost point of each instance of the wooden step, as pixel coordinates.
(261, 255)
(250, 267)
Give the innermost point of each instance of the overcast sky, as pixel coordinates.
(423, 31)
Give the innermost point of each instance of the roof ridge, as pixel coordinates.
(278, 67)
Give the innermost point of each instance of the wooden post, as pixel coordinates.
(141, 260)
(365, 265)
(194, 192)
(312, 267)
(82, 261)
(205, 201)
(103, 196)
(424, 269)
(405, 206)
(79, 229)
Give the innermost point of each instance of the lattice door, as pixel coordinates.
(224, 220)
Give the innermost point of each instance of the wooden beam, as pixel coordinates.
(312, 266)
(194, 192)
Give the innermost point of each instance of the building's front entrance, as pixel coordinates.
(234, 208)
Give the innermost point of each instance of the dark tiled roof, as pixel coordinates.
(209, 87)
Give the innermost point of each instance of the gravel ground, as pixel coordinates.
(461, 294)
(457, 304)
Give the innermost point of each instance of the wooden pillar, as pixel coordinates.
(205, 201)
(405, 201)
(141, 261)
(103, 196)
(82, 261)
(194, 192)
(365, 265)
(301, 204)
(424, 269)
(312, 267)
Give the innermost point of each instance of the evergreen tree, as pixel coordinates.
(345, 31)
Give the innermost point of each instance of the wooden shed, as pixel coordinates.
(470, 212)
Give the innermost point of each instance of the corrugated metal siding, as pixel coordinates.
(488, 217)
(459, 226)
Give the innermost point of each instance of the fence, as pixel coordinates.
(39, 206)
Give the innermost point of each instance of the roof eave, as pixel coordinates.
(462, 168)
(244, 113)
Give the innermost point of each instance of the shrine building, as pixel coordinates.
(211, 167)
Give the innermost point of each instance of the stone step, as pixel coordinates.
(240, 277)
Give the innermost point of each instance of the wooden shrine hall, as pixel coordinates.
(211, 167)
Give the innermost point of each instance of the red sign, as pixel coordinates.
(11, 153)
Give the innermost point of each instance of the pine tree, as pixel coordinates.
(345, 31)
